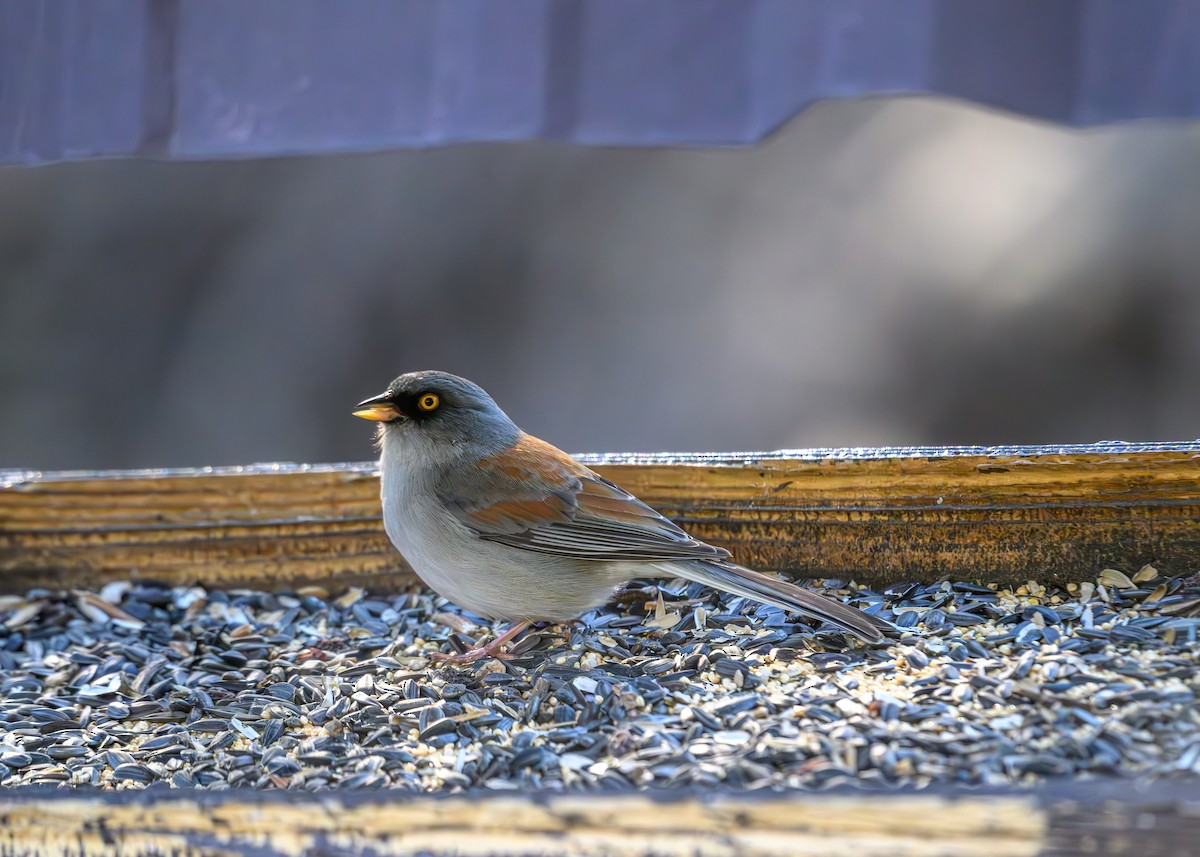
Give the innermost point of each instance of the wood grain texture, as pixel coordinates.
(1004, 514)
(1116, 818)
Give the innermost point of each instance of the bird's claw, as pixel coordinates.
(491, 649)
(470, 656)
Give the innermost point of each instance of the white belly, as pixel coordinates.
(438, 549)
(486, 578)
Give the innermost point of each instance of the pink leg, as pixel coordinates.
(488, 650)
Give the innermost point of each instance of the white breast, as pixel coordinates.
(436, 546)
(489, 579)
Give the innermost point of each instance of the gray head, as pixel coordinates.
(430, 409)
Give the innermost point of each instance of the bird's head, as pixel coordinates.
(428, 410)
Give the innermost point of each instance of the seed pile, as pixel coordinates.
(671, 685)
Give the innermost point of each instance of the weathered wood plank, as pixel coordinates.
(1116, 818)
(1001, 514)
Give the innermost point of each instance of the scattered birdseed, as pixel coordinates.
(671, 685)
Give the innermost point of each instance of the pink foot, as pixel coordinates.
(493, 649)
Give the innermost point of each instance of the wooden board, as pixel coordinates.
(1116, 818)
(1004, 514)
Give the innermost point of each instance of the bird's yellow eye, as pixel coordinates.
(428, 402)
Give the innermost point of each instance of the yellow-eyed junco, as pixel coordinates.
(510, 527)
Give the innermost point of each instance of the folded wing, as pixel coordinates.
(536, 497)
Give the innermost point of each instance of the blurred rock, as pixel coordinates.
(879, 272)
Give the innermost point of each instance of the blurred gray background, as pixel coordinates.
(878, 272)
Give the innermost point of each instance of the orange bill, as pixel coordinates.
(378, 408)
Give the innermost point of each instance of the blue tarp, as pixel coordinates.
(254, 78)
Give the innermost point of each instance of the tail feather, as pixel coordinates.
(779, 593)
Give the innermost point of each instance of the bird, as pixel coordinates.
(511, 528)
